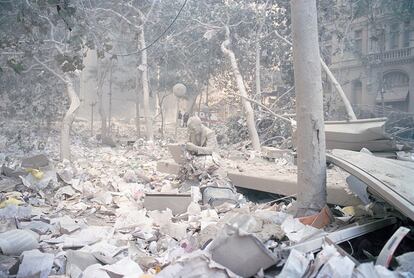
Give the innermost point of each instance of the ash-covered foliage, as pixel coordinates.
(272, 132)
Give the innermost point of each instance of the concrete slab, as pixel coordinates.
(390, 179)
(286, 185)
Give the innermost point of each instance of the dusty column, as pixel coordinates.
(309, 109)
(145, 88)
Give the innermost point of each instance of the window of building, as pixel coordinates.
(395, 92)
(395, 79)
(394, 35)
(358, 40)
(406, 34)
(356, 91)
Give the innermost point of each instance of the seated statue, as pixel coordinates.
(202, 140)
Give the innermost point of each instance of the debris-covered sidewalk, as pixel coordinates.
(110, 213)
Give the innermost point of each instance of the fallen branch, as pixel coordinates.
(290, 121)
(282, 95)
(347, 104)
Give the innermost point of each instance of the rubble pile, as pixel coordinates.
(110, 213)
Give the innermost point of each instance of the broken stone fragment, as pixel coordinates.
(67, 225)
(39, 227)
(15, 242)
(35, 264)
(268, 231)
(65, 192)
(8, 266)
(66, 175)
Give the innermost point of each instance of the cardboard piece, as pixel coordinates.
(178, 153)
(168, 167)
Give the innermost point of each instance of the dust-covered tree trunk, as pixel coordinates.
(258, 87)
(309, 109)
(348, 107)
(68, 119)
(137, 110)
(110, 98)
(145, 86)
(74, 103)
(225, 47)
(99, 92)
(258, 65)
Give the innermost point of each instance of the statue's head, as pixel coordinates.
(194, 125)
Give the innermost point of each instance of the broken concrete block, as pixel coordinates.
(15, 242)
(177, 203)
(66, 175)
(35, 162)
(216, 196)
(39, 227)
(270, 230)
(8, 266)
(35, 264)
(243, 254)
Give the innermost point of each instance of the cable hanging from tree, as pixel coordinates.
(157, 39)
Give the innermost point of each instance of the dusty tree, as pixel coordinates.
(251, 125)
(309, 109)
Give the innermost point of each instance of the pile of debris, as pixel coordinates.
(110, 213)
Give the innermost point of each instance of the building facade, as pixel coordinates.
(375, 64)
